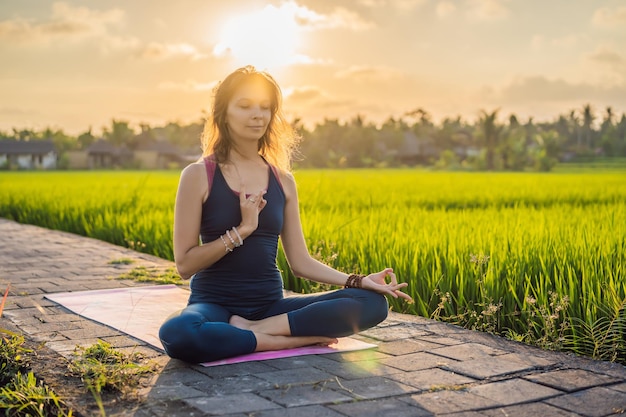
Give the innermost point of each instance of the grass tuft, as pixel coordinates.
(156, 275)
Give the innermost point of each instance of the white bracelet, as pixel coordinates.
(235, 244)
(225, 244)
(238, 236)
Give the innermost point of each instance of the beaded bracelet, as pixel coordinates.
(235, 244)
(238, 235)
(354, 281)
(228, 249)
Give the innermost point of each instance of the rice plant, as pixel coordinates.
(536, 257)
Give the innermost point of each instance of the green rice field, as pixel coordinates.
(536, 257)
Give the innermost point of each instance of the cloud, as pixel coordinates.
(396, 4)
(535, 89)
(65, 23)
(14, 111)
(160, 51)
(339, 18)
(306, 96)
(188, 86)
(570, 41)
(607, 18)
(610, 59)
(445, 8)
(487, 9)
(369, 73)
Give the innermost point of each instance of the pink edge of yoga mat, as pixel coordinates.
(345, 344)
(139, 312)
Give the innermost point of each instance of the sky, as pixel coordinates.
(78, 64)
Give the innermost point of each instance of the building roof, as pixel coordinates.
(102, 146)
(162, 147)
(22, 147)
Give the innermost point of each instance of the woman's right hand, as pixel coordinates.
(250, 209)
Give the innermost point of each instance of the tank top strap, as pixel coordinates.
(210, 164)
(276, 174)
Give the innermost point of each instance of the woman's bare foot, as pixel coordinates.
(239, 322)
(269, 342)
(274, 325)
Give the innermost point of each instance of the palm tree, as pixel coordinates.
(575, 121)
(491, 134)
(588, 118)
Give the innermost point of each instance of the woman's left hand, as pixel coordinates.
(378, 282)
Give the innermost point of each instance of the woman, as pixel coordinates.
(239, 199)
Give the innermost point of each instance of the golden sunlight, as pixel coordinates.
(267, 39)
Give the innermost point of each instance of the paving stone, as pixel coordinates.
(392, 333)
(468, 351)
(49, 328)
(444, 402)
(144, 351)
(375, 387)
(528, 410)
(89, 331)
(23, 316)
(231, 385)
(534, 360)
(297, 362)
(619, 387)
(441, 340)
(593, 402)
(356, 356)
(307, 395)
(59, 316)
(514, 391)
(296, 376)
(46, 337)
(306, 411)
(173, 408)
(571, 379)
(355, 370)
(417, 361)
(402, 347)
(430, 379)
(229, 404)
(66, 347)
(180, 376)
(236, 369)
(172, 392)
(377, 408)
(488, 367)
(122, 341)
(38, 301)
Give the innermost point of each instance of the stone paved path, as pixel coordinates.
(421, 367)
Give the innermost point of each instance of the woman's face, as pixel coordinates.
(249, 111)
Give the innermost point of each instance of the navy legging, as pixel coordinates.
(201, 333)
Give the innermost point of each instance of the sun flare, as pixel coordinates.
(267, 39)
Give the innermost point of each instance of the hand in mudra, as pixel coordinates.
(251, 206)
(385, 282)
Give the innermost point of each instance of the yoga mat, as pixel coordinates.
(345, 344)
(136, 311)
(140, 311)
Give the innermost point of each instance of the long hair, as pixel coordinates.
(279, 140)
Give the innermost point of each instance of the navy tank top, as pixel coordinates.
(248, 277)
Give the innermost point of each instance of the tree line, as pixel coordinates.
(491, 142)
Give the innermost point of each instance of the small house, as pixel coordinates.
(31, 154)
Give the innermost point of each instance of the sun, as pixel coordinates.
(267, 39)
